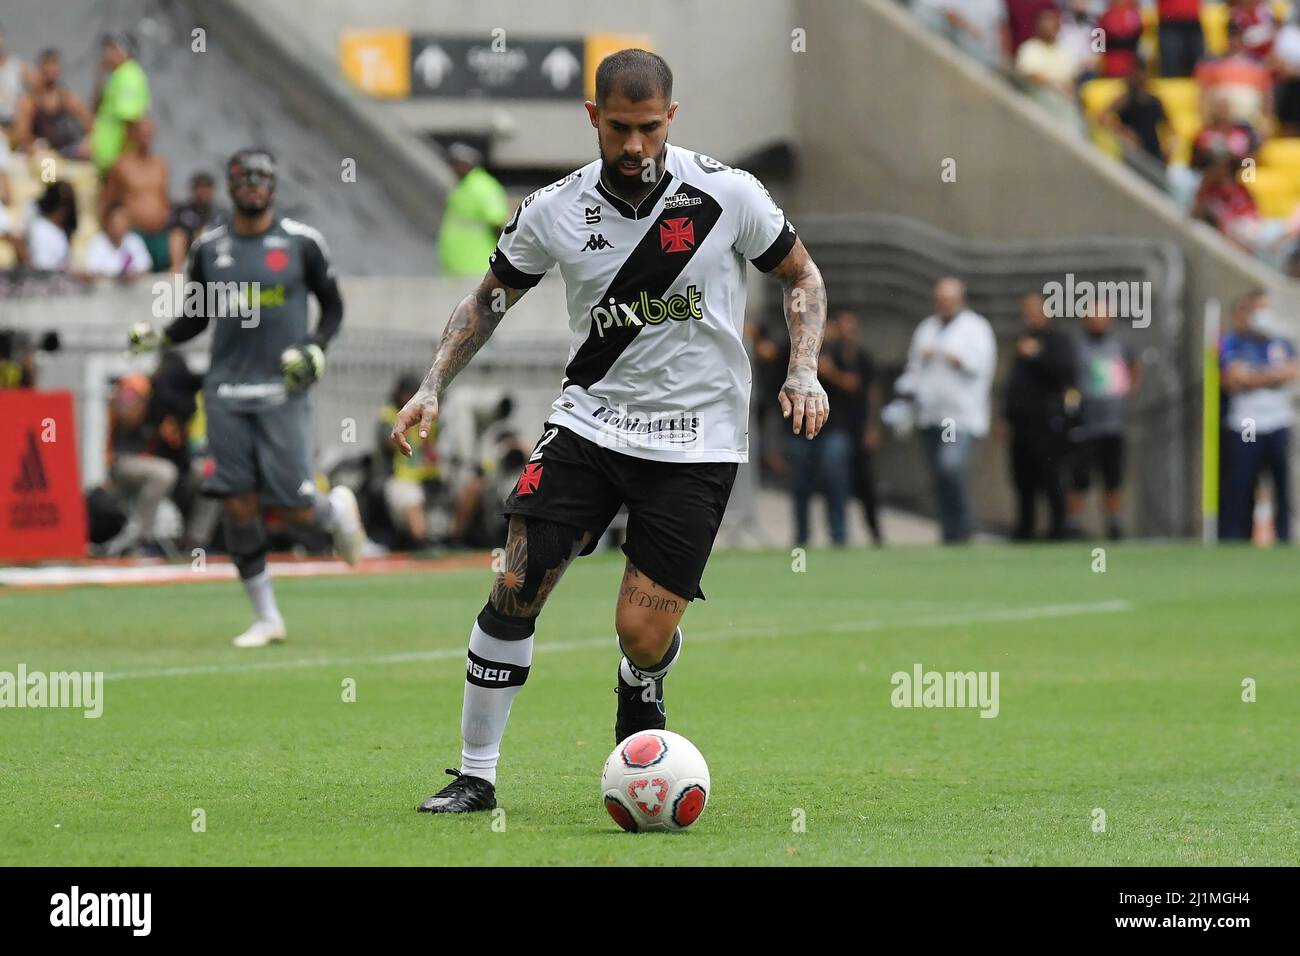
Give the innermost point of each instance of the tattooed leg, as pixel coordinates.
(536, 555)
(646, 617)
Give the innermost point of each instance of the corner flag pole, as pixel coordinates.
(1210, 425)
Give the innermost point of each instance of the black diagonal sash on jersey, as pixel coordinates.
(647, 269)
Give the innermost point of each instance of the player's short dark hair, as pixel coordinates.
(637, 74)
(49, 53)
(202, 179)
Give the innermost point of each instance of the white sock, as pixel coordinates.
(262, 597)
(495, 671)
(632, 675)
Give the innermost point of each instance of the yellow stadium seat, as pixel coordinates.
(1281, 10)
(1281, 152)
(1178, 95)
(1274, 193)
(1098, 94)
(1214, 21)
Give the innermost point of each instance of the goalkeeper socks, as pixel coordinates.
(262, 597)
(247, 545)
(496, 669)
(632, 676)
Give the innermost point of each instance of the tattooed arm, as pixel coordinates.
(471, 324)
(802, 398)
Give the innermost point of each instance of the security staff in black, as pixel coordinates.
(251, 280)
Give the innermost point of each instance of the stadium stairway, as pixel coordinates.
(248, 86)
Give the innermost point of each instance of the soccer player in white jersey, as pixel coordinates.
(652, 241)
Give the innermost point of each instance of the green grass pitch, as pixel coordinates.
(1119, 691)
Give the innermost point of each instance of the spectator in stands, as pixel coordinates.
(115, 252)
(14, 75)
(192, 218)
(134, 466)
(1254, 20)
(1258, 365)
(47, 242)
(1050, 70)
(123, 98)
(475, 215)
(1138, 117)
(1223, 136)
(978, 27)
(1285, 61)
(408, 482)
(1022, 21)
(138, 180)
(1076, 38)
(1041, 372)
(1226, 204)
(1239, 79)
(1122, 26)
(1107, 374)
(826, 462)
(51, 116)
(1181, 39)
(849, 375)
(9, 228)
(950, 365)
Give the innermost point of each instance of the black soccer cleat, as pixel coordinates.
(465, 794)
(635, 712)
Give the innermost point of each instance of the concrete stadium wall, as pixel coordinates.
(731, 62)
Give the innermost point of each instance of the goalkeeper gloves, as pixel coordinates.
(143, 337)
(302, 365)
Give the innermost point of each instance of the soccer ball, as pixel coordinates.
(655, 780)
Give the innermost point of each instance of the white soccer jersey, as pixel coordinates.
(657, 367)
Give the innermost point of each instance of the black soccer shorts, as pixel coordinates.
(1103, 453)
(674, 508)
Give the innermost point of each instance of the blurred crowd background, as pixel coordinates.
(951, 386)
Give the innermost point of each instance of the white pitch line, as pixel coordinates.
(976, 617)
(448, 653)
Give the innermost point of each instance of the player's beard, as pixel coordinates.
(630, 188)
(248, 210)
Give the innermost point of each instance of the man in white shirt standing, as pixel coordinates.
(116, 252)
(950, 366)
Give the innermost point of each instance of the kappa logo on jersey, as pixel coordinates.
(529, 479)
(596, 243)
(591, 216)
(677, 235)
(644, 310)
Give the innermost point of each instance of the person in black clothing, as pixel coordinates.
(191, 219)
(849, 376)
(1035, 409)
(1138, 117)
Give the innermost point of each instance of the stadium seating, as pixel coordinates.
(1274, 192)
